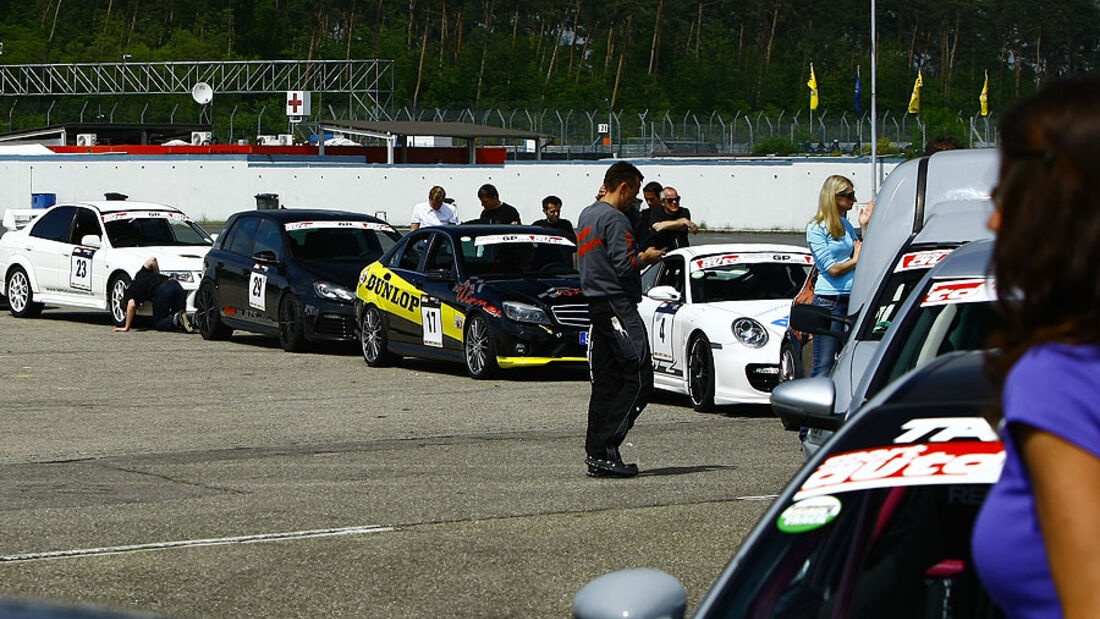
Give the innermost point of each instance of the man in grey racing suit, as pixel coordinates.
(622, 372)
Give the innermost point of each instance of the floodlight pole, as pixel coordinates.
(874, 107)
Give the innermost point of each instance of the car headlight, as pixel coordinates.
(333, 292)
(521, 312)
(750, 332)
(180, 276)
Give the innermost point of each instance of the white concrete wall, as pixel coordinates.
(757, 194)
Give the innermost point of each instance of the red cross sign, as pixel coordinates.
(297, 103)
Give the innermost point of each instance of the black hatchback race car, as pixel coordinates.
(877, 524)
(490, 296)
(290, 273)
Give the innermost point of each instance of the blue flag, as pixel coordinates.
(858, 88)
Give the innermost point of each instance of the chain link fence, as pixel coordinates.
(586, 133)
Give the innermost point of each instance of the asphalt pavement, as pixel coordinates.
(160, 472)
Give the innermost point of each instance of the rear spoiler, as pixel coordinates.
(19, 218)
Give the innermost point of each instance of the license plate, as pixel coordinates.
(584, 338)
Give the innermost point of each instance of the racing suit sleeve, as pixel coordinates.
(619, 238)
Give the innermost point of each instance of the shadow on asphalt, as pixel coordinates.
(682, 470)
(550, 373)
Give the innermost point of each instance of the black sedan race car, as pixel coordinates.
(290, 273)
(490, 296)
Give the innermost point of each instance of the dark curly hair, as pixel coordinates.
(1047, 253)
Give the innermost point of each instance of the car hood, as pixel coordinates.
(341, 272)
(170, 258)
(772, 313)
(541, 291)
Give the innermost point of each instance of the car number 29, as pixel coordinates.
(431, 318)
(257, 289)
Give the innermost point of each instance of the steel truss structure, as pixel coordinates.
(369, 83)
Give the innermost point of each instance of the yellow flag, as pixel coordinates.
(813, 88)
(914, 100)
(984, 97)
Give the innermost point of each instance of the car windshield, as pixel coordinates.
(885, 552)
(507, 256)
(907, 274)
(154, 229)
(326, 241)
(745, 281)
(938, 329)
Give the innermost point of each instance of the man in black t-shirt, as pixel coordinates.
(551, 207)
(493, 210)
(168, 297)
(670, 224)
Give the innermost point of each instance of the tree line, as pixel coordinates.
(631, 55)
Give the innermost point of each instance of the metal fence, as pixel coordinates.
(579, 132)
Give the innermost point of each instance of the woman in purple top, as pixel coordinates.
(1037, 539)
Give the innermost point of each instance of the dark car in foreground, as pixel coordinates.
(290, 273)
(877, 524)
(491, 297)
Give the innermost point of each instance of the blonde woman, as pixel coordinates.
(835, 246)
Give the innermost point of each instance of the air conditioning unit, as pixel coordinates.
(267, 140)
(286, 139)
(85, 139)
(202, 138)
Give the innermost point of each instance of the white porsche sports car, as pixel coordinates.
(85, 254)
(716, 316)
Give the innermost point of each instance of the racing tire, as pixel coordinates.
(790, 368)
(116, 291)
(479, 348)
(21, 301)
(208, 318)
(700, 372)
(292, 329)
(374, 339)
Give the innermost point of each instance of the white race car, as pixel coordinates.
(716, 316)
(84, 254)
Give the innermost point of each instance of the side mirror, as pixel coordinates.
(663, 293)
(643, 593)
(91, 240)
(807, 402)
(438, 275)
(817, 320)
(265, 257)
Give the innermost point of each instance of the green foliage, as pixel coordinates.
(566, 54)
(775, 145)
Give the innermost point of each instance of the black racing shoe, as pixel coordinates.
(610, 468)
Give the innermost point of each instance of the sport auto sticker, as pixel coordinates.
(809, 514)
(257, 291)
(80, 269)
(959, 462)
(661, 331)
(431, 319)
(960, 291)
(921, 260)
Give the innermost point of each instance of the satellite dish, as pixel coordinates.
(202, 93)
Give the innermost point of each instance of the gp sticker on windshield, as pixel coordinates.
(497, 239)
(172, 215)
(921, 260)
(353, 225)
(960, 291)
(721, 260)
(809, 514)
(960, 462)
